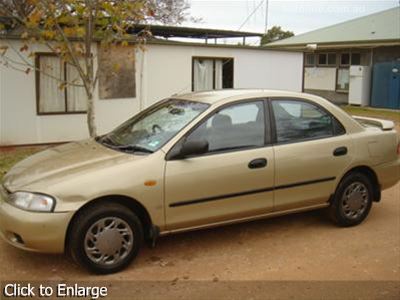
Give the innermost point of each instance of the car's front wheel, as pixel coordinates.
(105, 238)
(352, 200)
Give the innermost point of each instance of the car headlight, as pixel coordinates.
(32, 201)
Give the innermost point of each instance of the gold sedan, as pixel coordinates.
(194, 161)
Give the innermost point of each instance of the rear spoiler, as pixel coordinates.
(383, 124)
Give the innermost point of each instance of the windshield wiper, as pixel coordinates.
(133, 148)
(105, 139)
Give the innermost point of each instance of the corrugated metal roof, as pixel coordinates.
(379, 27)
(172, 31)
(192, 32)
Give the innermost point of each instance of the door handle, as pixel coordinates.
(340, 151)
(258, 163)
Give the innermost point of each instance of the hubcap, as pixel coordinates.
(354, 200)
(108, 241)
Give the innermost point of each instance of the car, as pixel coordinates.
(193, 161)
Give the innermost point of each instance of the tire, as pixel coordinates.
(105, 238)
(352, 200)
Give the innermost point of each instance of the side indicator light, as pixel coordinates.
(150, 183)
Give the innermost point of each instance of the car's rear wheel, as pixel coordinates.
(352, 200)
(105, 238)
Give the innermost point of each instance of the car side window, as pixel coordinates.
(297, 120)
(234, 127)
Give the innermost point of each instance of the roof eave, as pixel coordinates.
(339, 44)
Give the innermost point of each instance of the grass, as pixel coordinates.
(10, 156)
(393, 115)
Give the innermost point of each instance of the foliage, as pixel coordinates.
(274, 34)
(69, 28)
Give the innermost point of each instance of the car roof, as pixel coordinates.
(214, 96)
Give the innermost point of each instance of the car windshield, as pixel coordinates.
(151, 129)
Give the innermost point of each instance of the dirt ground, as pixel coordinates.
(303, 251)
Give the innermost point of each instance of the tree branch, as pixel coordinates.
(9, 62)
(68, 43)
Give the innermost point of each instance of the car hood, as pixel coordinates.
(67, 158)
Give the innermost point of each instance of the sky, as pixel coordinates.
(294, 15)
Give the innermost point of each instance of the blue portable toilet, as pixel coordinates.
(386, 85)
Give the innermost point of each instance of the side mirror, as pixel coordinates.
(193, 147)
(188, 148)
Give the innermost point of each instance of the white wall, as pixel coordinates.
(316, 78)
(167, 69)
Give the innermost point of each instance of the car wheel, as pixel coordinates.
(105, 238)
(352, 200)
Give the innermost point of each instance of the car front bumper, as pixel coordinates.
(33, 231)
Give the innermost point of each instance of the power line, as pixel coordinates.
(252, 13)
(266, 16)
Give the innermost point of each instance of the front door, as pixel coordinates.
(233, 180)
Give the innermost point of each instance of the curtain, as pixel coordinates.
(218, 74)
(51, 97)
(343, 78)
(76, 95)
(203, 74)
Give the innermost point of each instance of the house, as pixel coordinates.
(356, 62)
(33, 108)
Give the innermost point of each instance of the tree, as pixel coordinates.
(70, 28)
(275, 34)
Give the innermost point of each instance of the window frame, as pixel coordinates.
(343, 91)
(214, 58)
(267, 130)
(327, 60)
(351, 58)
(273, 121)
(37, 86)
(340, 59)
(306, 64)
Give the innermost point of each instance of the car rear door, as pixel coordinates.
(233, 180)
(311, 150)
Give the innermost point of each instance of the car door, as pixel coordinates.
(311, 150)
(233, 180)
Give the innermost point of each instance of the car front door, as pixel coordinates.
(233, 179)
(311, 150)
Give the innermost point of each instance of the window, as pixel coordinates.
(331, 59)
(310, 59)
(322, 59)
(356, 59)
(152, 128)
(297, 120)
(52, 98)
(235, 127)
(343, 79)
(345, 59)
(117, 72)
(327, 59)
(212, 73)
